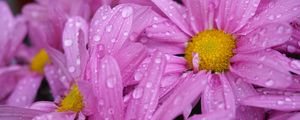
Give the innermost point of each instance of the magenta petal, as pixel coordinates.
(89, 97)
(129, 58)
(107, 86)
(183, 96)
(56, 116)
(264, 37)
(174, 11)
(216, 115)
(166, 32)
(145, 96)
(57, 81)
(44, 106)
(234, 14)
(280, 11)
(200, 14)
(75, 38)
(8, 80)
(111, 27)
(218, 95)
(25, 91)
(277, 102)
(166, 47)
(16, 113)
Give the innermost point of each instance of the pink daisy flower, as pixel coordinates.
(15, 78)
(234, 40)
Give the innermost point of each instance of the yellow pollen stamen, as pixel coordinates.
(72, 102)
(214, 48)
(39, 61)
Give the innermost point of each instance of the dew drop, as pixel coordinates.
(138, 76)
(295, 64)
(269, 83)
(149, 85)
(157, 60)
(108, 28)
(68, 42)
(137, 93)
(279, 102)
(111, 82)
(271, 17)
(71, 69)
(96, 38)
(127, 11)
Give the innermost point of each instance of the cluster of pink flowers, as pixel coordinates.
(151, 60)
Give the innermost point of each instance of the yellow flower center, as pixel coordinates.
(214, 49)
(72, 102)
(39, 61)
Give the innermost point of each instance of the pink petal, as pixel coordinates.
(17, 113)
(56, 116)
(75, 36)
(129, 58)
(218, 95)
(145, 96)
(277, 102)
(280, 11)
(174, 11)
(264, 37)
(234, 14)
(44, 106)
(111, 27)
(200, 14)
(57, 80)
(107, 86)
(217, 115)
(8, 80)
(166, 47)
(89, 97)
(183, 96)
(166, 32)
(25, 91)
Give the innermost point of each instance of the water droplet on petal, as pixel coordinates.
(71, 69)
(279, 102)
(138, 76)
(108, 28)
(127, 11)
(68, 42)
(157, 60)
(149, 85)
(295, 64)
(96, 38)
(111, 82)
(137, 93)
(271, 17)
(269, 83)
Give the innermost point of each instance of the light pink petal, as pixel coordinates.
(89, 97)
(175, 65)
(145, 96)
(111, 27)
(278, 11)
(17, 113)
(57, 81)
(201, 14)
(44, 106)
(277, 102)
(59, 60)
(234, 14)
(107, 86)
(56, 116)
(182, 97)
(168, 83)
(25, 90)
(262, 75)
(216, 115)
(241, 90)
(264, 37)
(75, 38)
(8, 80)
(129, 58)
(218, 95)
(166, 47)
(296, 116)
(143, 17)
(166, 32)
(175, 12)
(196, 61)
(13, 33)
(143, 3)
